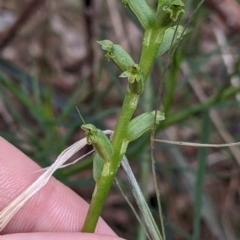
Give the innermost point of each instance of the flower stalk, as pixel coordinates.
(155, 26)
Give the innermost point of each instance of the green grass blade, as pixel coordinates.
(201, 171)
(141, 201)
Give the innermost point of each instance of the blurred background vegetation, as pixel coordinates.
(50, 63)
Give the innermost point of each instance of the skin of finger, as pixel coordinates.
(58, 236)
(55, 208)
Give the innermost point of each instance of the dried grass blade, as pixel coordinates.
(150, 223)
(8, 212)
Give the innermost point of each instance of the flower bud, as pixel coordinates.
(116, 53)
(98, 163)
(168, 40)
(142, 11)
(142, 123)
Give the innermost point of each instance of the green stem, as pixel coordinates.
(99, 196)
(104, 184)
(151, 41)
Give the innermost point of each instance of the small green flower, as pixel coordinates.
(175, 8)
(135, 78)
(99, 140)
(116, 53)
(168, 12)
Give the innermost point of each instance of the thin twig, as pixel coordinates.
(198, 144)
(158, 103)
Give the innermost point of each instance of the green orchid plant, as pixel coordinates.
(161, 31)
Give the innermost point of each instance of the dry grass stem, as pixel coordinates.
(9, 211)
